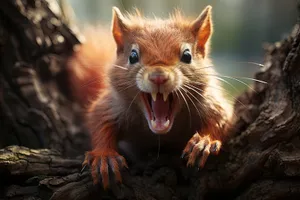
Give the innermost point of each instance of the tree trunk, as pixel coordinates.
(43, 140)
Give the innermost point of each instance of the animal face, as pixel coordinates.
(163, 64)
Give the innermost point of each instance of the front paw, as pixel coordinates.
(104, 162)
(199, 148)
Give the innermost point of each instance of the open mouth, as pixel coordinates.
(159, 110)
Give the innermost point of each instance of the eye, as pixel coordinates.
(186, 56)
(134, 57)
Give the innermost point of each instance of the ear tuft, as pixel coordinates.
(118, 27)
(202, 30)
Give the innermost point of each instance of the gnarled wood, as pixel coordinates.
(35, 111)
(262, 160)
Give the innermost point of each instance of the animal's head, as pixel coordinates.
(162, 61)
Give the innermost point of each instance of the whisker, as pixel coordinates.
(205, 67)
(158, 150)
(199, 113)
(190, 115)
(176, 94)
(114, 65)
(253, 79)
(130, 86)
(188, 92)
(185, 85)
(228, 83)
(207, 85)
(132, 103)
(223, 90)
(254, 63)
(227, 100)
(118, 66)
(196, 91)
(229, 77)
(98, 79)
(90, 82)
(237, 77)
(232, 78)
(188, 86)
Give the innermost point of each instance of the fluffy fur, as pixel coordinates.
(117, 114)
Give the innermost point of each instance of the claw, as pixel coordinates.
(103, 164)
(215, 147)
(200, 148)
(183, 155)
(113, 163)
(205, 155)
(104, 173)
(122, 162)
(83, 168)
(190, 145)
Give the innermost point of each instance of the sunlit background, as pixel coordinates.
(241, 27)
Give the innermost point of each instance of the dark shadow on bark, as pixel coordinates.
(262, 160)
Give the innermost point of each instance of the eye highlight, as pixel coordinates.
(186, 56)
(134, 57)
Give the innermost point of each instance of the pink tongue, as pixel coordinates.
(160, 108)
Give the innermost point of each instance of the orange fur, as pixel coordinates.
(119, 84)
(88, 64)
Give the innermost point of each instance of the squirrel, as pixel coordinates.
(146, 78)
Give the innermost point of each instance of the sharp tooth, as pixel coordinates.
(154, 94)
(167, 123)
(153, 123)
(165, 94)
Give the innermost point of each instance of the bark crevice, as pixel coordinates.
(262, 160)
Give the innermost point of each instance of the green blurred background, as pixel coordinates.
(241, 27)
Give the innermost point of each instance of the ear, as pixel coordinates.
(202, 30)
(119, 27)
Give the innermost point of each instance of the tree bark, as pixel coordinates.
(43, 140)
(35, 109)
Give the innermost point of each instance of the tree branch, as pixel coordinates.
(260, 161)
